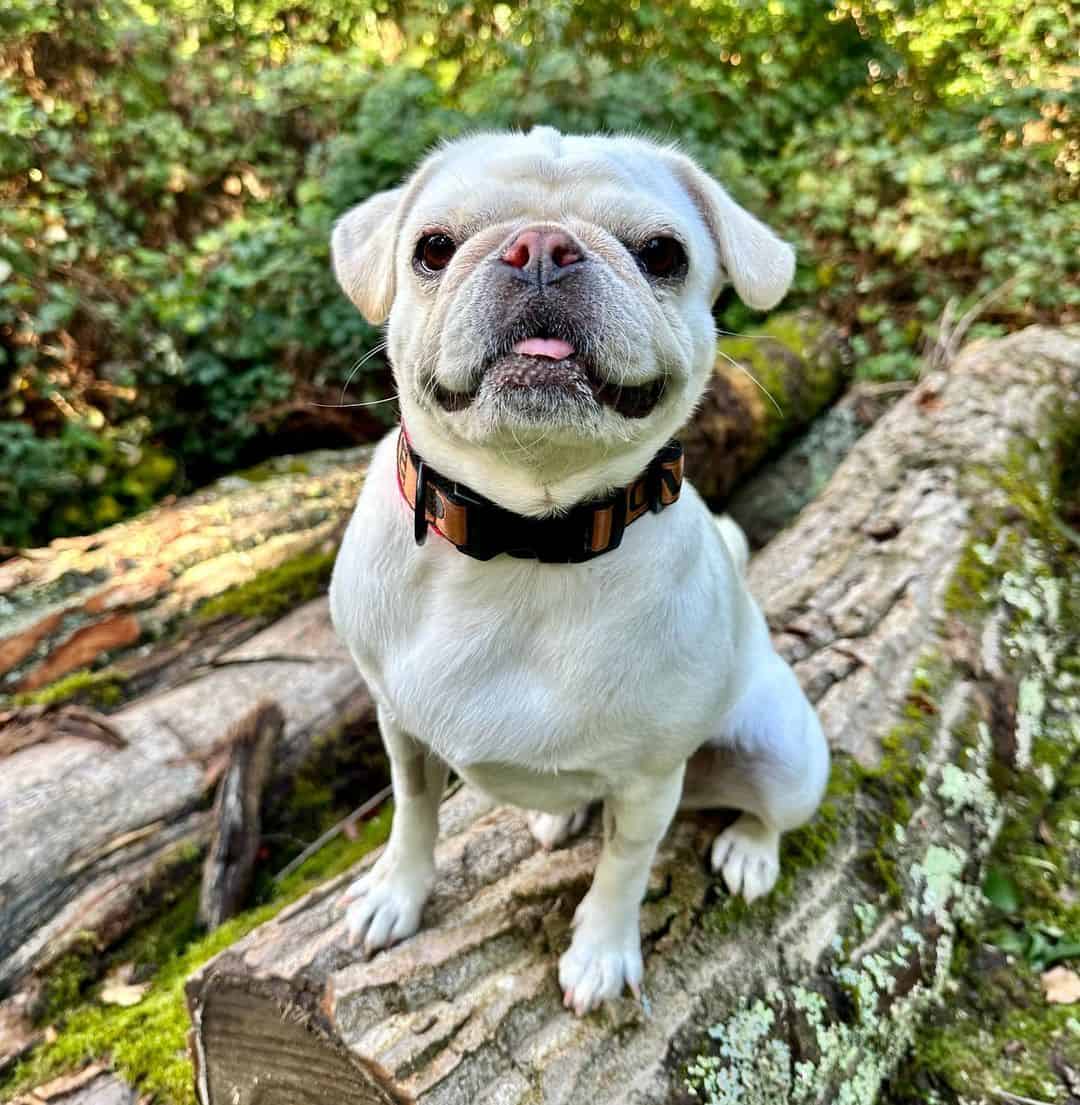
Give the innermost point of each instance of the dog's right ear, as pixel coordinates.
(362, 249)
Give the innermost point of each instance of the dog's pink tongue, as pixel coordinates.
(545, 347)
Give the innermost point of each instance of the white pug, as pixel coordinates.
(549, 301)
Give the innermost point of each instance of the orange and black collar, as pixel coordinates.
(482, 529)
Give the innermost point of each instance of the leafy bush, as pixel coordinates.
(169, 175)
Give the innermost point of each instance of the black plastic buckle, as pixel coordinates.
(420, 522)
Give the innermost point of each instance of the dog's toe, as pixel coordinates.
(747, 854)
(384, 907)
(553, 829)
(597, 967)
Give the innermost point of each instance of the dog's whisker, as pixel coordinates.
(379, 348)
(349, 406)
(743, 369)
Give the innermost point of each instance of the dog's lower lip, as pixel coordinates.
(525, 372)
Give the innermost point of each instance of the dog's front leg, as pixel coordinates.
(605, 953)
(385, 905)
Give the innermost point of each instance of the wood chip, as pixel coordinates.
(124, 993)
(1061, 986)
(67, 1083)
(118, 989)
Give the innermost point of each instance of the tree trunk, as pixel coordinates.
(115, 595)
(912, 598)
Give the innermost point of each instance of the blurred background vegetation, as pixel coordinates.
(169, 173)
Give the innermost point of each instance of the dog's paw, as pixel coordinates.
(384, 906)
(553, 829)
(748, 855)
(603, 958)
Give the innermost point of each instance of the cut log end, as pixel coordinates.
(262, 1054)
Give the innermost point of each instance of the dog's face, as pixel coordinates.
(549, 295)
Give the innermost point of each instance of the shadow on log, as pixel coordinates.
(899, 596)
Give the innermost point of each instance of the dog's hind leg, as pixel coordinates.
(386, 903)
(770, 762)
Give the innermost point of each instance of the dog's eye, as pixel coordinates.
(433, 251)
(662, 257)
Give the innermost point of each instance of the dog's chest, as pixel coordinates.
(511, 670)
(523, 670)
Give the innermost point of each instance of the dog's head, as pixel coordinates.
(549, 301)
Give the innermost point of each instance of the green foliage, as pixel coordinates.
(169, 175)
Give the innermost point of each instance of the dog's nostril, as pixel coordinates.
(523, 249)
(564, 253)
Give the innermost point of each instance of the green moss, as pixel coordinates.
(275, 591)
(274, 467)
(67, 979)
(799, 337)
(147, 1042)
(998, 1030)
(104, 689)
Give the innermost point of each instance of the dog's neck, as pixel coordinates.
(535, 480)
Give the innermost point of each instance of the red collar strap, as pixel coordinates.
(481, 529)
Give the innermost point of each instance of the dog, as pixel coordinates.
(532, 595)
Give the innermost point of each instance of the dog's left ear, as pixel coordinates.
(751, 257)
(362, 249)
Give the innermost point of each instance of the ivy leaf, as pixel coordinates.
(1001, 891)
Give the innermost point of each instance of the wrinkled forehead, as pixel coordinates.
(623, 185)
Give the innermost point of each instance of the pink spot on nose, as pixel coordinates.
(530, 246)
(553, 348)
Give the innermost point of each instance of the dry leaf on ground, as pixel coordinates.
(1061, 986)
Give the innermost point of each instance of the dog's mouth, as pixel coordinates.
(547, 366)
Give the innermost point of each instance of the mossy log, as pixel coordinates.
(253, 545)
(92, 831)
(912, 598)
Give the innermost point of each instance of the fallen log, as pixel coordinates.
(92, 831)
(912, 597)
(773, 496)
(230, 860)
(127, 594)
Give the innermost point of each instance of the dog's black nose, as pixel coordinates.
(542, 255)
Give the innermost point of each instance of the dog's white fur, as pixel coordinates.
(551, 686)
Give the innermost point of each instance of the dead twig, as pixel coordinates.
(941, 353)
(335, 831)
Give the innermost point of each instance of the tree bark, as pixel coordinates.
(906, 599)
(126, 595)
